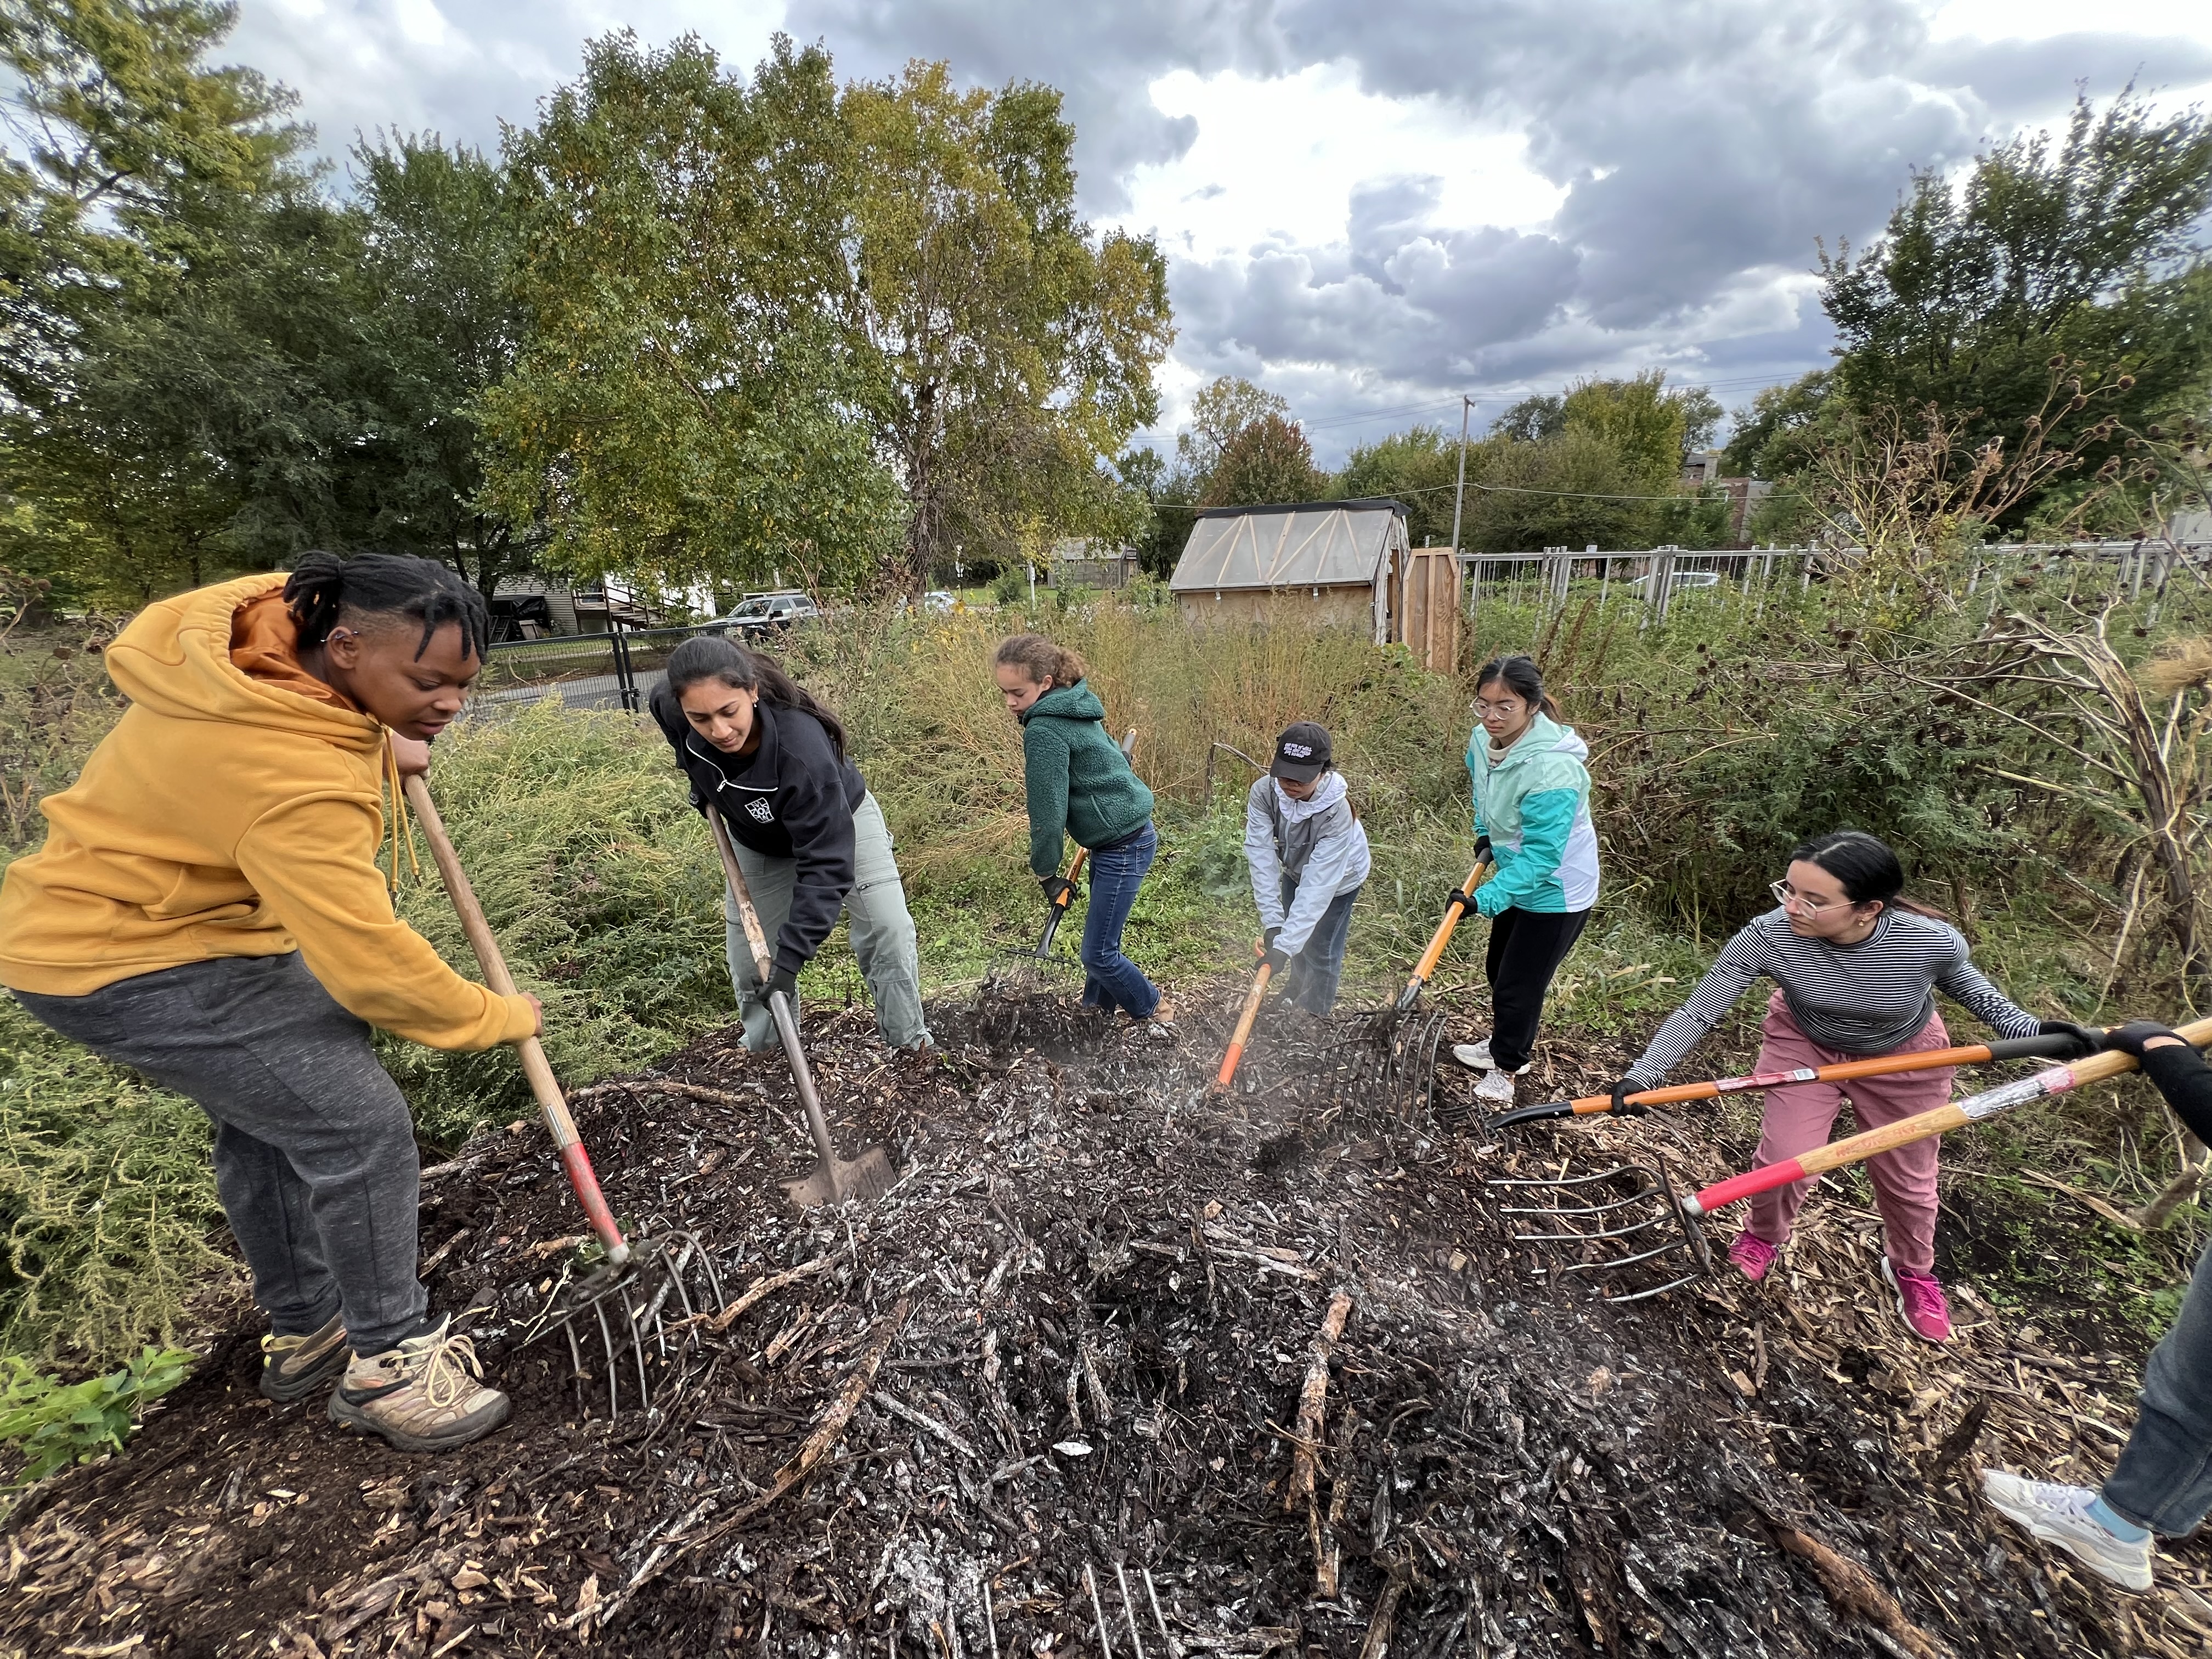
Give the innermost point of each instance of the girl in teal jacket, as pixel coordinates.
(1532, 812)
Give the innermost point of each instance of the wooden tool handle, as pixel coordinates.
(1244, 1032)
(779, 1007)
(552, 1106)
(1434, 953)
(756, 936)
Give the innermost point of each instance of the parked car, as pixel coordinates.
(763, 614)
(1679, 581)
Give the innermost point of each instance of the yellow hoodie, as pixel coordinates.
(227, 817)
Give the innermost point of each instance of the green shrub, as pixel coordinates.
(56, 1422)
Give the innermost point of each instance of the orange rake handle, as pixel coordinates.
(551, 1106)
(1842, 1072)
(1976, 1109)
(1434, 953)
(1243, 1035)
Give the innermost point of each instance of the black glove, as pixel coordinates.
(2130, 1037)
(1458, 900)
(2087, 1039)
(780, 979)
(1276, 961)
(1482, 852)
(1059, 891)
(1267, 938)
(1621, 1089)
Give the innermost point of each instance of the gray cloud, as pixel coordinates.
(1702, 147)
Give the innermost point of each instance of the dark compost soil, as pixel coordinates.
(1077, 1333)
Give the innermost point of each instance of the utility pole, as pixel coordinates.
(1459, 495)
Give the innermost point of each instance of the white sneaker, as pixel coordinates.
(1496, 1088)
(2058, 1514)
(1476, 1056)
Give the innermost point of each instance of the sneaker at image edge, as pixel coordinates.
(1920, 1303)
(293, 1367)
(2058, 1514)
(426, 1394)
(1476, 1056)
(1753, 1256)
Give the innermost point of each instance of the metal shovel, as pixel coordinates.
(833, 1179)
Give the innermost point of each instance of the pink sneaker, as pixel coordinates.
(1753, 1256)
(1920, 1299)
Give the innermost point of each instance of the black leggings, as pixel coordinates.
(1525, 948)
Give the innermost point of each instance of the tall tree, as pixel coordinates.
(1269, 460)
(173, 309)
(1418, 468)
(2083, 247)
(1012, 347)
(686, 405)
(440, 241)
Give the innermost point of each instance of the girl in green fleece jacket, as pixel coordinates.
(1080, 785)
(1531, 811)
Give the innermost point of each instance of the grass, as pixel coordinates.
(1715, 746)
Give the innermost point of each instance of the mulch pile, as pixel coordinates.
(1072, 1387)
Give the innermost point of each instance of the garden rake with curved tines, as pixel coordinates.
(627, 1291)
(1645, 1205)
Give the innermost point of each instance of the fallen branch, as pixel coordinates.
(811, 1455)
(1853, 1590)
(761, 1288)
(1378, 1628)
(2119, 1217)
(924, 1421)
(1313, 1398)
(655, 1085)
(1340, 1489)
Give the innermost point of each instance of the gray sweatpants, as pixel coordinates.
(314, 1152)
(875, 915)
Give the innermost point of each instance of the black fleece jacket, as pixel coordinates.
(2185, 1080)
(793, 798)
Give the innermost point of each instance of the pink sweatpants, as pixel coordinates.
(1799, 1116)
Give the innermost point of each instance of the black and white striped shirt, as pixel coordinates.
(1863, 998)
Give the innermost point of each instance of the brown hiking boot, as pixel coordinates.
(293, 1367)
(426, 1394)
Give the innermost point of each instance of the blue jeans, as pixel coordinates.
(1110, 980)
(1311, 980)
(2164, 1477)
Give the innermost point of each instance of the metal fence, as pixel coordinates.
(1660, 577)
(618, 669)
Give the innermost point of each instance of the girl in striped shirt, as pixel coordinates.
(1856, 969)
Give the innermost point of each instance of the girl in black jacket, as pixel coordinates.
(811, 839)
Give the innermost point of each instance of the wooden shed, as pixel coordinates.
(1346, 562)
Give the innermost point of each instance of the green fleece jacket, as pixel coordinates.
(1079, 782)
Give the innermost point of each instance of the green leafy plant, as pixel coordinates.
(56, 1423)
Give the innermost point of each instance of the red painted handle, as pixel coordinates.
(1750, 1184)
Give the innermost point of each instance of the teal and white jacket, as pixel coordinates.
(1535, 806)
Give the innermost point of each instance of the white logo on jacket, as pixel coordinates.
(760, 811)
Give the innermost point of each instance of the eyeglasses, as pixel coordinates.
(1790, 899)
(1483, 711)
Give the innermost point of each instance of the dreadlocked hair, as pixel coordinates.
(711, 657)
(325, 591)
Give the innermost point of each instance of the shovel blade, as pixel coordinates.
(866, 1177)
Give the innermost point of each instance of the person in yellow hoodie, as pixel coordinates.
(208, 909)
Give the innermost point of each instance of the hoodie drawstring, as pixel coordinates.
(402, 824)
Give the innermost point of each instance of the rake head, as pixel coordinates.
(1616, 1224)
(639, 1320)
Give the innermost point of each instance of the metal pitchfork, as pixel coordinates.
(1650, 1206)
(625, 1293)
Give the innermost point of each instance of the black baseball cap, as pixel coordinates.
(1301, 753)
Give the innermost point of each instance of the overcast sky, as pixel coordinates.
(1371, 208)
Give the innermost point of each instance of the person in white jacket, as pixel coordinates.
(1309, 858)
